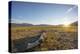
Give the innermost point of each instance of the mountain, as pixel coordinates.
(20, 24)
(42, 25)
(27, 24)
(74, 23)
(71, 24)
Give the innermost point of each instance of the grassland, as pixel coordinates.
(57, 37)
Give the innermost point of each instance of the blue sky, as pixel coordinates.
(37, 13)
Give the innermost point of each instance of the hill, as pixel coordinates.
(74, 23)
(20, 24)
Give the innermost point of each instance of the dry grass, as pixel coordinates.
(57, 38)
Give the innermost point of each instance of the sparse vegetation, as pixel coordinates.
(57, 38)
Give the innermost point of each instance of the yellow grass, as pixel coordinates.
(62, 38)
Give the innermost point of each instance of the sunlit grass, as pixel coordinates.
(62, 38)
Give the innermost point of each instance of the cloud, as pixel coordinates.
(70, 9)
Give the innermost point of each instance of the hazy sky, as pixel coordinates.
(37, 13)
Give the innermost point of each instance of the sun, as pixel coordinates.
(66, 24)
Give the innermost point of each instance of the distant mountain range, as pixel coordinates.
(20, 24)
(74, 23)
(28, 24)
(43, 25)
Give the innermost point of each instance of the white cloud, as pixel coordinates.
(70, 9)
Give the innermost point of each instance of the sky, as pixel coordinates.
(43, 13)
